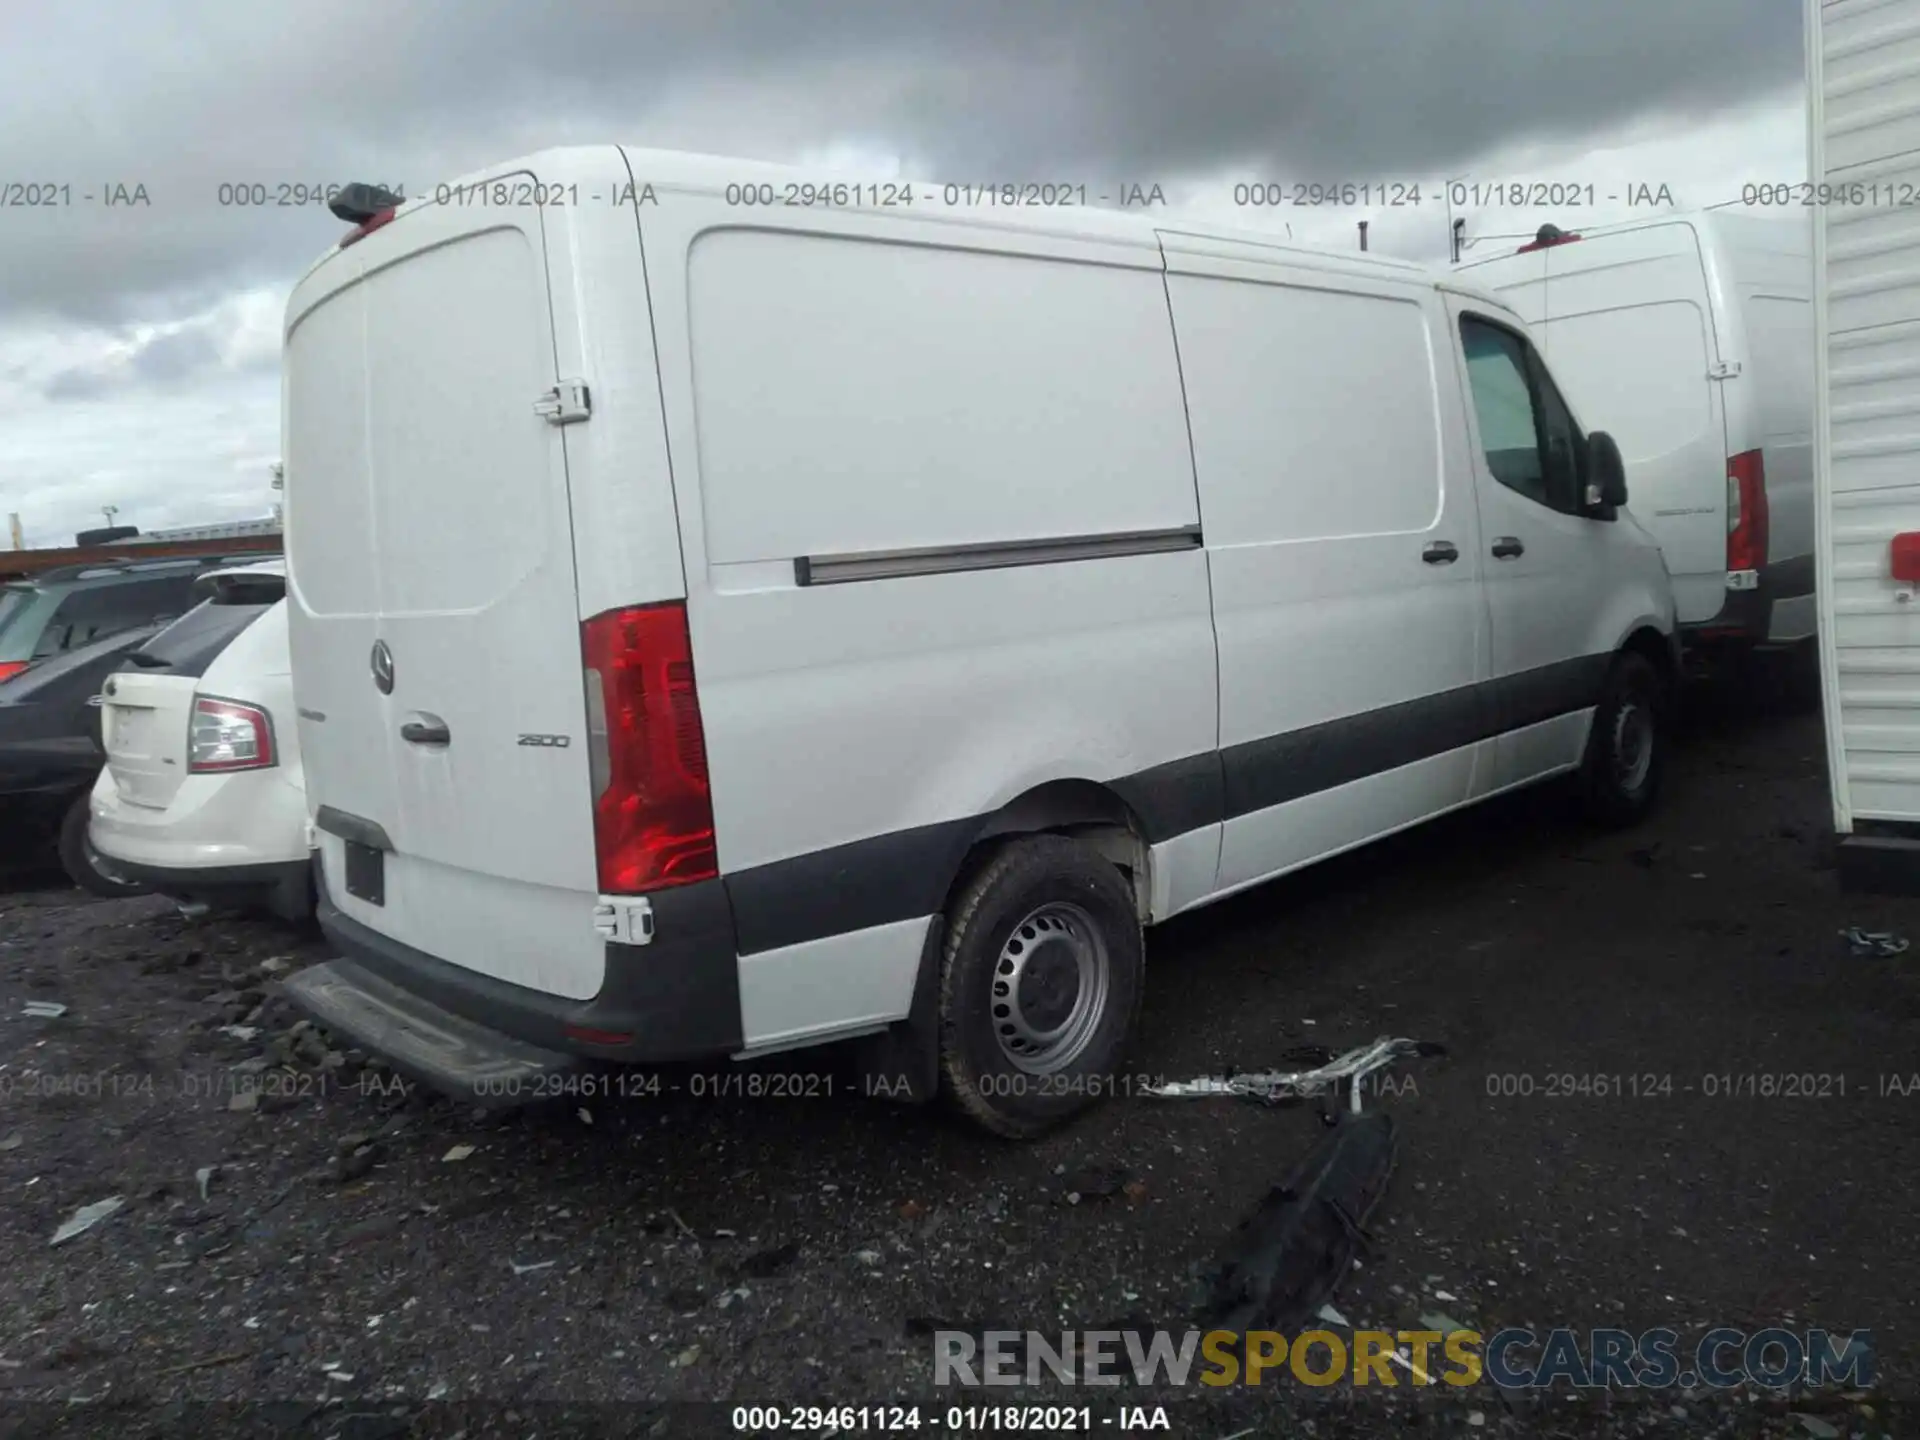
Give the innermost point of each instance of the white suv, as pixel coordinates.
(202, 796)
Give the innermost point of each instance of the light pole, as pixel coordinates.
(109, 511)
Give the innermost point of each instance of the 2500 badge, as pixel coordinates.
(546, 742)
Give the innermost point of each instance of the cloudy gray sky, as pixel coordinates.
(139, 342)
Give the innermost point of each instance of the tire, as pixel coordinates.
(1627, 748)
(1017, 1072)
(79, 859)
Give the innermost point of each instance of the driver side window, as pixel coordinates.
(1531, 443)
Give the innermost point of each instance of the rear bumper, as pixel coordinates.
(280, 885)
(675, 999)
(1746, 617)
(246, 821)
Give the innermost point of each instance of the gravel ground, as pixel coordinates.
(374, 1261)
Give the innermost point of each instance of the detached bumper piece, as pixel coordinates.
(423, 1041)
(1290, 1255)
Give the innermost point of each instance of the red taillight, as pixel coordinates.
(367, 227)
(1746, 511)
(1905, 559)
(225, 735)
(652, 809)
(11, 668)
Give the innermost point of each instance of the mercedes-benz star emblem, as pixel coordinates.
(382, 667)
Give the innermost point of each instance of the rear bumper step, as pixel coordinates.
(420, 1040)
(674, 999)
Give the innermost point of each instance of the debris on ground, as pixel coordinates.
(1874, 942)
(204, 1177)
(1287, 1258)
(12, 1142)
(1276, 1085)
(42, 1010)
(1094, 1182)
(764, 1264)
(520, 1269)
(458, 1152)
(85, 1218)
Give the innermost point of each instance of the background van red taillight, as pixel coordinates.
(652, 809)
(1746, 511)
(225, 735)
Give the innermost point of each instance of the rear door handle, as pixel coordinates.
(431, 732)
(1508, 546)
(1440, 552)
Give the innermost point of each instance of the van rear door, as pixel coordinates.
(434, 623)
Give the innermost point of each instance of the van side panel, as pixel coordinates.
(839, 390)
(1348, 659)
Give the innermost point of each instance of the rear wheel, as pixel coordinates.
(84, 865)
(1039, 985)
(1627, 748)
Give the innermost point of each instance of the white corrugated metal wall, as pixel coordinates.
(1864, 132)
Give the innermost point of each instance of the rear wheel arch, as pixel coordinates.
(1659, 651)
(1078, 809)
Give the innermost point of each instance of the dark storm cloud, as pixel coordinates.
(186, 97)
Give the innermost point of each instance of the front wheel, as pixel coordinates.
(1627, 748)
(1039, 985)
(84, 865)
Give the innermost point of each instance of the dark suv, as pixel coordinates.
(70, 608)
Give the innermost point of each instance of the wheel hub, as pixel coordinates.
(1050, 988)
(1633, 741)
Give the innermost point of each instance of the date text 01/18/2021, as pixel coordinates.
(955, 1419)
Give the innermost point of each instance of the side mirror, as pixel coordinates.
(1606, 473)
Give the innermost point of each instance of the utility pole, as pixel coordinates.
(1363, 236)
(19, 535)
(109, 511)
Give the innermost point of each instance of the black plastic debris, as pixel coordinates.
(1289, 1256)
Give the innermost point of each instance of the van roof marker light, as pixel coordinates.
(365, 207)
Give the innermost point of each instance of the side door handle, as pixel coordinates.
(1441, 552)
(1508, 546)
(430, 731)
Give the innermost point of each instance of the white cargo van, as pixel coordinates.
(1864, 99)
(1692, 336)
(722, 625)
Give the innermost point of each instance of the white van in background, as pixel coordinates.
(1863, 87)
(1690, 338)
(721, 626)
